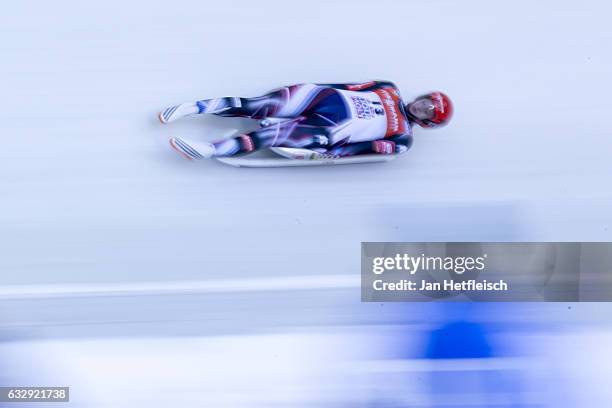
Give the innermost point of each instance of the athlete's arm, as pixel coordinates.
(392, 145)
(402, 142)
(395, 144)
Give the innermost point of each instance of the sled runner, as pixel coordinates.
(294, 157)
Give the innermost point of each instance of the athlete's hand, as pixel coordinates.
(399, 149)
(320, 140)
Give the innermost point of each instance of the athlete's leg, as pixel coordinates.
(290, 133)
(256, 108)
(285, 102)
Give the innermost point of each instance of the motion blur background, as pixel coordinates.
(141, 279)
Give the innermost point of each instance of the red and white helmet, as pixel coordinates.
(437, 114)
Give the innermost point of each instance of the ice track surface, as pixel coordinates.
(91, 191)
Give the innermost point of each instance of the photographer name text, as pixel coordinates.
(445, 285)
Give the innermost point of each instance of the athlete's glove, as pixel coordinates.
(399, 149)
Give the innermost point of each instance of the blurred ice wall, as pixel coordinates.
(307, 340)
(521, 354)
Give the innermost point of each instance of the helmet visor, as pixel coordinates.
(423, 109)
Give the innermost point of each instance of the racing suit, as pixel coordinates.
(337, 119)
